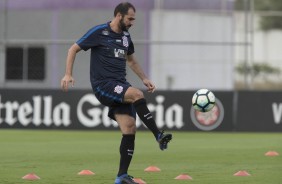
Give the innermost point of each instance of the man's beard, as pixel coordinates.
(122, 25)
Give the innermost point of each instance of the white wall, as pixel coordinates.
(266, 46)
(184, 66)
(65, 24)
(192, 66)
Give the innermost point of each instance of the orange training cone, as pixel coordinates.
(242, 173)
(139, 181)
(183, 177)
(31, 176)
(86, 172)
(152, 169)
(271, 153)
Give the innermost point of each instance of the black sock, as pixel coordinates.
(146, 116)
(126, 152)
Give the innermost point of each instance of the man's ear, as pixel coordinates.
(119, 16)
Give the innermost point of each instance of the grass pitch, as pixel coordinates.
(209, 158)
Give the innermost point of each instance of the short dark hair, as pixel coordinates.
(123, 8)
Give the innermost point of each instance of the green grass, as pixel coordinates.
(57, 157)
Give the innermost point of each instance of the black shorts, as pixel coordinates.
(111, 94)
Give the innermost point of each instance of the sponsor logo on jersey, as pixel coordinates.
(119, 53)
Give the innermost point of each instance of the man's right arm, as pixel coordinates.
(69, 67)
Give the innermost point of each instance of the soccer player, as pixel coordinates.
(111, 49)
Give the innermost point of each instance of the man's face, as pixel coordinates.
(127, 20)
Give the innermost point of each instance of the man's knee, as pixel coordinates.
(139, 94)
(133, 94)
(126, 123)
(131, 128)
(128, 128)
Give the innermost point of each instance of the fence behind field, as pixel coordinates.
(181, 45)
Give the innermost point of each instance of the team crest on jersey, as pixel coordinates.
(125, 41)
(118, 89)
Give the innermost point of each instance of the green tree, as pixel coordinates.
(267, 22)
(257, 69)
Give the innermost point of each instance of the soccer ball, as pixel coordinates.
(203, 100)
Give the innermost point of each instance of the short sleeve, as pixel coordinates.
(89, 40)
(130, 48)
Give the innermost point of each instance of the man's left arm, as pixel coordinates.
(136, 68)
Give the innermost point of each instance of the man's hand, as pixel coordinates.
(151, 87)
(66, 80)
